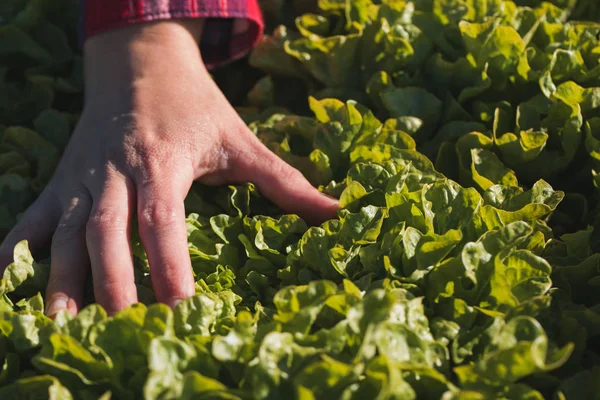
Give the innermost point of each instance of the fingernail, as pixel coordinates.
(55, 306)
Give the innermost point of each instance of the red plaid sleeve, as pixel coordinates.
(231, 27)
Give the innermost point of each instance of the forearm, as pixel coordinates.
(230, 28)
(121, 60)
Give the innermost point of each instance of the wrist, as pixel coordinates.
(119, 61)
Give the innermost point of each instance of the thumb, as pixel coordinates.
(283, 185)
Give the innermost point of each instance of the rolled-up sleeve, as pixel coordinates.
(231, 28)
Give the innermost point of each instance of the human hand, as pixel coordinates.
(154, 121)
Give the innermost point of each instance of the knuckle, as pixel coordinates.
(149, 158)
(148, 151)
(108, 283)
(106, 220)
(113, 153)
(56, 280)
(158, 214)
(66, 232)
(137, 150)
(150, 171)
(284, 170)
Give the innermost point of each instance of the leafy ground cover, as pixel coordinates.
(463, 140)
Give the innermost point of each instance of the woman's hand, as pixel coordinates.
(154, 121)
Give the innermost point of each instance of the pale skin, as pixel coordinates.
(153, 122)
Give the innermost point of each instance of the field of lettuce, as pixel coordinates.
(462, 138)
